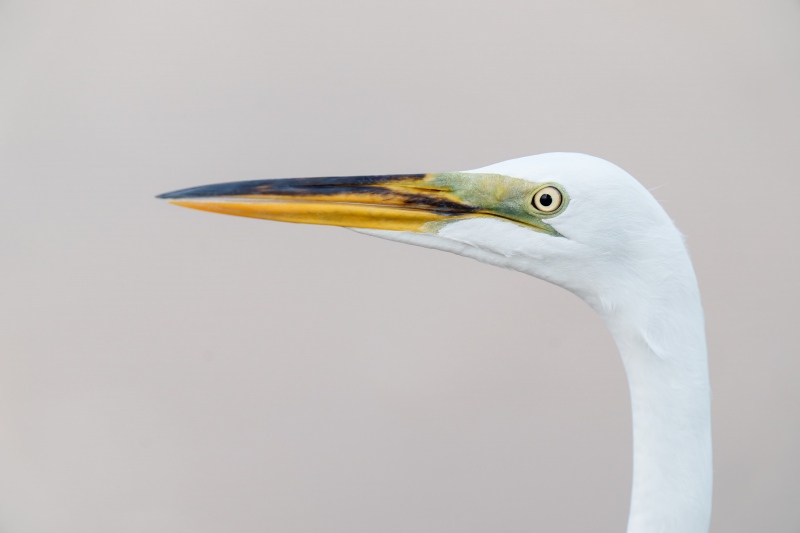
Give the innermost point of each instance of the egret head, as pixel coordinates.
(571, 219)
(576, 221)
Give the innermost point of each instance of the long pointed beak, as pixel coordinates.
(400, 202)
(403, 202)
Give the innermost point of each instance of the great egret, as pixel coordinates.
(571, 219)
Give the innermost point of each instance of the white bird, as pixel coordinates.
(576, 221)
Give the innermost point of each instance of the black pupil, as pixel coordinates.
(546, 200)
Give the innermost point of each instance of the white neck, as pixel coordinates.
(653, 311)
(670, 396)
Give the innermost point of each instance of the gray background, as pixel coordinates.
(165, 370)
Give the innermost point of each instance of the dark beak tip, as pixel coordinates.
(174, 195)
(192, 192)
(210, 191)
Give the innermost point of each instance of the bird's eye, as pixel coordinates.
(547, 199)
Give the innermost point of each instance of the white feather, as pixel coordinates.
(621, 253)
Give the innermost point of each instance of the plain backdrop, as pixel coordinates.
(165, 370)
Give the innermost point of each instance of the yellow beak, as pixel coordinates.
(399, 202)
(396, 202)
